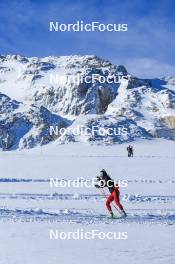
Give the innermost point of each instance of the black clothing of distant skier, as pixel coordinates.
(130, 151)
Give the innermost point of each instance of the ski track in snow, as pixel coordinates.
(74, 216)
(93, 197)
(14, 180)
(86, 215)
(161, 207)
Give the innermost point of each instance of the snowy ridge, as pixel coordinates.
(30, 103)
(128, 198)
(74, 216)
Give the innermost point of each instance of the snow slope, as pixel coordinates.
(30, 208)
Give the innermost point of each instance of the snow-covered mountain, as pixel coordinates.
(37, 93)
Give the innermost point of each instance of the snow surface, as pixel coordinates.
(29, 208)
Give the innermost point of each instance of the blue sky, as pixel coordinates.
(147, 49)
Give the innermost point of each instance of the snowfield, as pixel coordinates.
(30, 208)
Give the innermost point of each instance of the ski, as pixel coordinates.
(117, 217)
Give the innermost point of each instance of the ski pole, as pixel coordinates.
(105, 196)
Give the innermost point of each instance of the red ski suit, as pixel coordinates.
(114, 196)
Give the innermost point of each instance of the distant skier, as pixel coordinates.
(104, 180)
(130, 151)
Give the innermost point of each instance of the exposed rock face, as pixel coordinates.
(36, 93)
(23, 126)
(169, 121)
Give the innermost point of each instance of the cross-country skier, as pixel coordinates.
(130, 151)
(104, 180)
